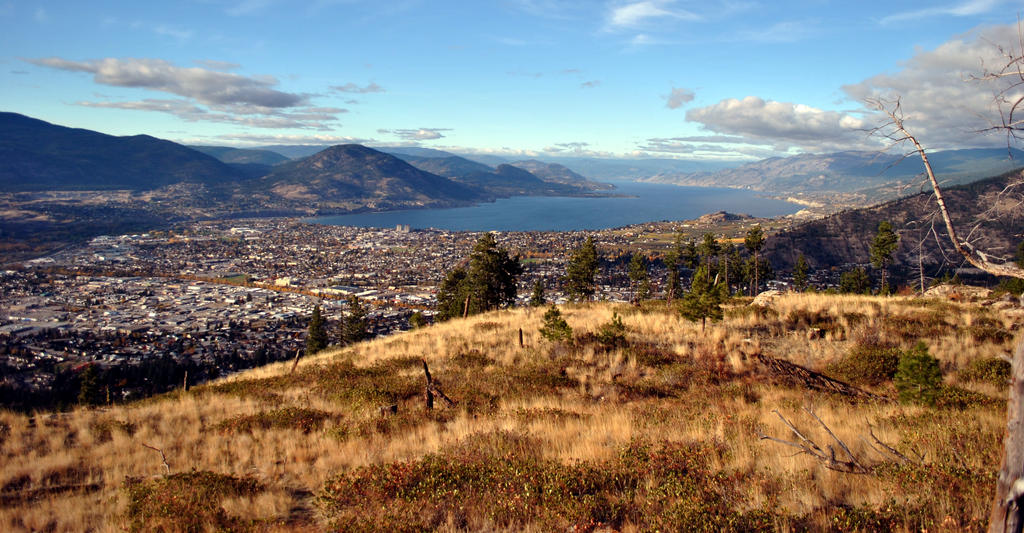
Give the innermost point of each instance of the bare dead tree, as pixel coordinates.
(895, 131)
(809, 447)
(163, 458)
(1007, 513)
(431, 389)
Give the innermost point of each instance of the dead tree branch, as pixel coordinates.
(809, 447)
(780, 368)
(163, 458)
(431, 389)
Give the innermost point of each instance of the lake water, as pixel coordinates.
(646, 202)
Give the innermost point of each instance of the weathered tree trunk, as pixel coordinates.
(1007, 515)
(520, 337)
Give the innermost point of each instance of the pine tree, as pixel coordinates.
(492, 274)
(704, 300)
(355, 329)
(581, 270)
(854, 281)
(555, 327)
(690, 255)
(89, 386)
(673, 263)
(537, 297)
(316, 336)
(417, 320)
(754, 241)
(453, 296)
(709, 250)
(800, 272)
(732, 268)
(639, 278)
(489, 282)
(882, 249)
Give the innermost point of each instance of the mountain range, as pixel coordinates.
(352, 176)
(986, 212)
(39, 156)
(877, 176)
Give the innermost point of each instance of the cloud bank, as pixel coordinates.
(208, 94)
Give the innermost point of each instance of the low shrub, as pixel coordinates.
(612, 334)
(869, 363)
(305, 420)
(497, 481)
(952, 397)
(189, 501)
(103, 430)
(989, 370)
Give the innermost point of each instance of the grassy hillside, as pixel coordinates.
(657, 429)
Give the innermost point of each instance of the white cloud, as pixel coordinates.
(353, 88)
(679, 97)
(590, 84)
(250, 139)
(962, 9)
(729, 149)
(575, 149)
(784, 125)
(208, 95)
(213, 64)
(301, 118)
(421, 134)
(636, 14)
(942, 104)
(203, 85)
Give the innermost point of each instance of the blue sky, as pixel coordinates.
(734, 80)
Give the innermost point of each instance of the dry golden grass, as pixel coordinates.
(583, 404)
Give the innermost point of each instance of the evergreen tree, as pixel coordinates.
(316, 336)
(673, 263)
(854, 281)
(555, 327)
(800, 272)
(1020, 255)
(487, 283)
(918, 377)
(355, 328)
(492, 275)
(537, 296)
(581, 270)
(709, 250)
(453, 295)
(89, 389)
(417, 320)
(639, 278)
(754, 241)
(732, 268)
(882, 249)
(704, 300)
(690, 257)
